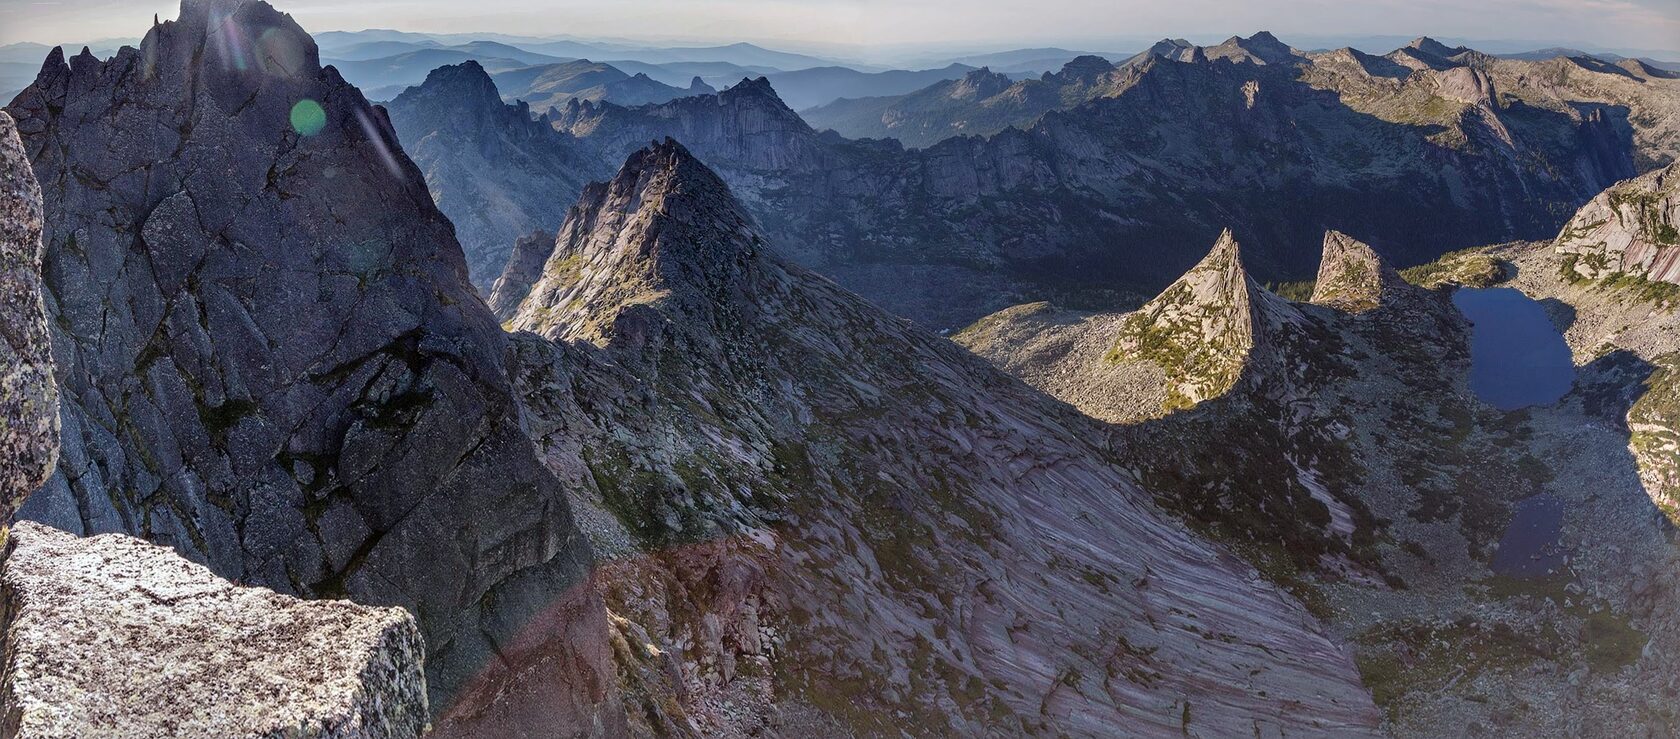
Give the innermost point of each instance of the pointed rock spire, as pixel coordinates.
(665, 228)
(1202, 329)
(1352, 277)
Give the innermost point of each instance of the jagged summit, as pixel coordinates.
(980, 84)
(1260, 48)
(1083, 68)
(467, 81)
(664, 227)
(1352, 276)
(1202, 329)
(244, 36)
(1435, 48)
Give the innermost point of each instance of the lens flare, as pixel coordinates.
(308, 117)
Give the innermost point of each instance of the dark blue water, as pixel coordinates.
(1532, 545)
(1517, 357)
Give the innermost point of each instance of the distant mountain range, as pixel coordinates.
(384, 62)
(552, 85)
(1105, 180)
(985, 102)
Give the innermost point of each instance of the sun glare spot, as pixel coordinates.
(308, 117)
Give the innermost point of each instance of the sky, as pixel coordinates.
(882, 27)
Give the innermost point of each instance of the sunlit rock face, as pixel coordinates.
(1352, 277)
(1207, 330)
(269, 354)
(28, 397)
(111, 636)
(818, 518)
(1632, 228)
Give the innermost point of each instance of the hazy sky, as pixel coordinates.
(1599, 24)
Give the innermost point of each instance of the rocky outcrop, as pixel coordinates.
(496, 172)
(269, 355)
(1352, 277)
(821, 508)
(523, 270)
(111, 636)
(1632, 228)
(28, 396)
(1204, 330)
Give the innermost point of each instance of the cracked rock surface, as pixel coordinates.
(28, 397)
(110, 636)
(270, 356)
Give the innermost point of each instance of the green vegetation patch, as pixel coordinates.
(1467, 267)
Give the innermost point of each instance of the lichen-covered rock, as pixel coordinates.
(269, 353)
(1201, 330)
(1633, 228)
(1352, 277)
(110, 636)
(28, 396)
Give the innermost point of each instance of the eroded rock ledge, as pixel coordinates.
(110, 636)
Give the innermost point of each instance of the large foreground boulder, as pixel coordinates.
(110, 636)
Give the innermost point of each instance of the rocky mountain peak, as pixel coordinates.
(1435, 48)
(664, 227)
(979, 84)
(28, 395)
(1202, 329)
(1175, 49)
(467, 82)
(756, 86)
(1260, 48)
(1083, 68)
(247, 36)
(1352, 276)
(496, 172)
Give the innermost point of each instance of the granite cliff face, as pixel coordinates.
(1630, 229)
(111, 636)
(268, 353)
(28, 396)
(1112, 198)
(817, 517)
(496, 172)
